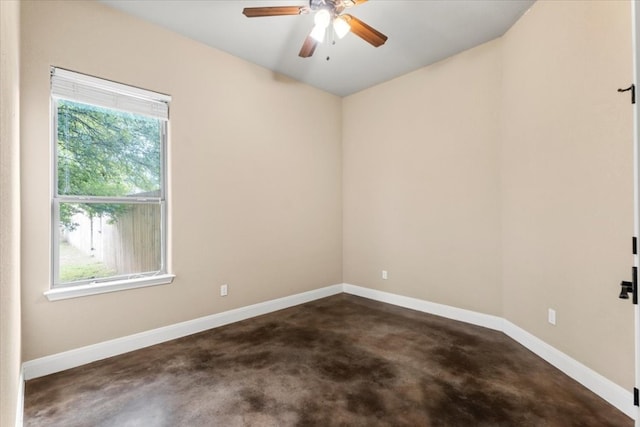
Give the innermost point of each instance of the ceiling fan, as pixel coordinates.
(326, 12)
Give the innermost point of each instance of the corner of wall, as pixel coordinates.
(10, 304)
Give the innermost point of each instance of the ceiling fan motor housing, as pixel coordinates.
(336, 7)
(318, 4)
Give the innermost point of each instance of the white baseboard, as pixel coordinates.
(81, 356)
(603, 387)
(20, 403)
(467, 316)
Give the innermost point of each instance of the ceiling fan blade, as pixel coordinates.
(351, 3)
(308, 47)
(365, 32)
(255, 12)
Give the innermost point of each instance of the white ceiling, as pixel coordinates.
(420, 33)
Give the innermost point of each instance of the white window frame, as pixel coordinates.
(72, 86)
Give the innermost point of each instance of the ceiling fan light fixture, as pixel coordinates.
(322, 18)
(318, 33)
(341, 26)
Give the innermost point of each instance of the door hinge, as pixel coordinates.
(636, 397)
(635, 284)
(632, 88)
(634, 245)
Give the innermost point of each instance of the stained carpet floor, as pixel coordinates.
(339, 361)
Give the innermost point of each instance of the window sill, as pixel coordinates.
(101, 288)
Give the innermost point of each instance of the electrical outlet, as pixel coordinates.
(224, 290)
(385, 276)
(552, 316)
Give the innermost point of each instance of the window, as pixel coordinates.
(109, 196)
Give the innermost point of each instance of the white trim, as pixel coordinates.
(467, 316)
(80, 356)
(56, 294)
(603, 387)
(635, 20)
(20, 403)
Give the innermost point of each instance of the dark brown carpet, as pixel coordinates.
(339, 361)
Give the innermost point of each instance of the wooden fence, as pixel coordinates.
(130, 244)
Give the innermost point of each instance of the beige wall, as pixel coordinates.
(500, 180)
(255, 181)
(567, 180)
(422, 183)
(10, 333)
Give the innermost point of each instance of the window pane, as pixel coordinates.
(105, 152)
(99, 240)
